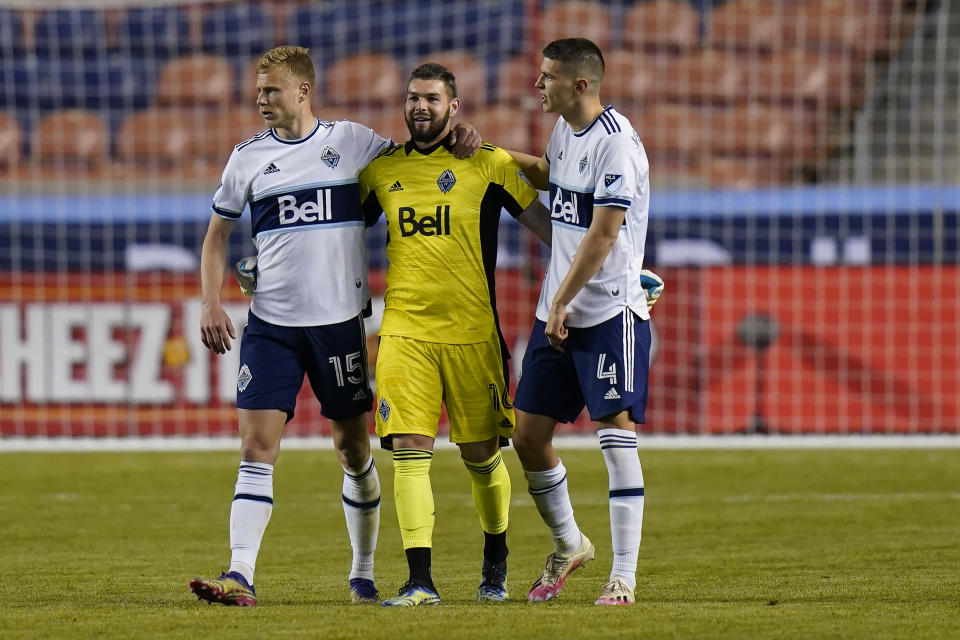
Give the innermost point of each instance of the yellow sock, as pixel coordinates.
(413, 496)
(491, 492)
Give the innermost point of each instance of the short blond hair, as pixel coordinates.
(295, 60)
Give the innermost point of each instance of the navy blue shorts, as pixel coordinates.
(604, 367)
(273, 360)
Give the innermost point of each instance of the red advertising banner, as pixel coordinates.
(738, 349)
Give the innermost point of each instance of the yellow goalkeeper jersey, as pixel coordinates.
(442, 220)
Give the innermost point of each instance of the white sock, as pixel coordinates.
(361, 508)
(626, 501)
(549, 491)
(249, 515)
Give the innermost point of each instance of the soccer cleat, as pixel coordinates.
(615, 592)
(362, 591)
(230, 589)
(413, 594)
(558, 567)
(493, 586)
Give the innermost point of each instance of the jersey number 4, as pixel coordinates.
(606, 373)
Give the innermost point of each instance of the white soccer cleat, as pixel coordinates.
(652, 287)
(559, 566)
(614, 593)
(246, 270)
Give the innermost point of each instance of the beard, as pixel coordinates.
(431, 132)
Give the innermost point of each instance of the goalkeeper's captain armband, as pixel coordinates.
(246, 270)
(652, 287)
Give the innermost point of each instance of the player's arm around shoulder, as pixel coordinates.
(536, 169)
(516, 183)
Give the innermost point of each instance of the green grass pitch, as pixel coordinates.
(737, 544)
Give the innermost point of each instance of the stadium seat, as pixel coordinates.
(673, 131)
(70, 33)
(329, 30)
(156, 138)
(11, 141)
(761, 130)
(634, 78)
(515, 81)
(862, 27)
(662, 25)
(71, 140)
(747, 25)
(196, 80)
(153, 32)
(363, 79)
(237, 31)
(414, 29)
(745, 173)
(817, 78)
(11, 34)
(708, 76)
(503, 126)
(577, 19)
(385, 120)
(471, 74)
(223, 130)
(97, 83)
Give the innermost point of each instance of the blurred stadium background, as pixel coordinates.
(805, 166)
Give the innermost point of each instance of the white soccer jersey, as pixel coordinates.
(602, 165)
(307, 223)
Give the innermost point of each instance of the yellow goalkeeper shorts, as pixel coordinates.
(415, 377)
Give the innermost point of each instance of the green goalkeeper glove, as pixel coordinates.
(246, 270)
(652, 287)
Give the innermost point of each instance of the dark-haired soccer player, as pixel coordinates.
(591, 339)
(440, 340)
(299, 178)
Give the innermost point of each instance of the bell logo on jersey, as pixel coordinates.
(563, 209)
(308, 211)
(436, 225)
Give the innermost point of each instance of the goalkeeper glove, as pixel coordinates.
(652, 287)
(246, 270)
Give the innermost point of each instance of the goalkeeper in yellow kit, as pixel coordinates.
(440, 339)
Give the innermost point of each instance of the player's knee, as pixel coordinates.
(479, 451)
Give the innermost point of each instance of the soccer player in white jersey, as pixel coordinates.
(299, 179)
(591, 339)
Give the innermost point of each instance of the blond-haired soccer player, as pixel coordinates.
(299, 179)
(440, 340)
(591, 339)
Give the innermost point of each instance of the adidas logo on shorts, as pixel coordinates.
(612, 395)
(396, 186)
(359, 395)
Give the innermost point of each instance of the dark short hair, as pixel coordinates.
(434, 71)
(579, 55)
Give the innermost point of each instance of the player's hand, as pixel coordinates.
(246, 272)
(652, 287)
(216, 329)
(465, 140)
(556, 332)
